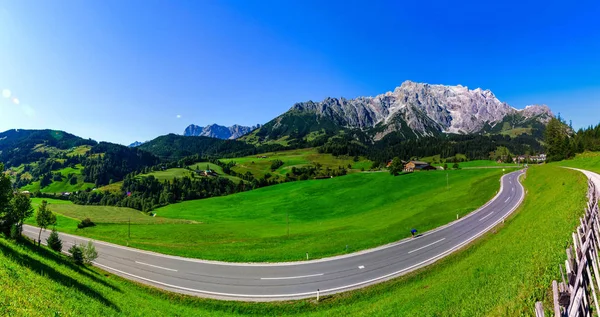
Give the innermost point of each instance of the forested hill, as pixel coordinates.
(174, 147)
(108, 162)
(40, 158)
(24, 146)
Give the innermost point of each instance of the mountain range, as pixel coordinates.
(412, 109)
(218, 131)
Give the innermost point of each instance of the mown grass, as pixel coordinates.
(502, 274)
(98, 214)
(294, 158)
(361, 210)
(588, 160)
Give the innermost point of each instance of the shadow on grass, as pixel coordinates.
(59, 259)
(47, 271)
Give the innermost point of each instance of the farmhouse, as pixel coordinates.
(208, 172)
(417, 166)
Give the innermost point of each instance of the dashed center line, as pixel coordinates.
(421, 248)
(361, 267)
(290, 277)
(156, 266)
(507, 199)
(482, 218)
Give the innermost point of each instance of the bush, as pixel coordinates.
(89, 253)
(87, 222)
(77, 254)
(54, 241)
(15, 232)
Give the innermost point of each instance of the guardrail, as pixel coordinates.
(577, 291)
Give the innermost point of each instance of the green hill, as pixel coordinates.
(260, 164)
(361, 210)
(502, 274)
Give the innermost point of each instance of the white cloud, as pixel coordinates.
(178, 116)
(6, 93)
(16, 101)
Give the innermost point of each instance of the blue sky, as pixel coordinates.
(125, 70)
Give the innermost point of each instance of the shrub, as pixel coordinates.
(54, 241)
(89, 253)
(76, 254)
(15, 232)
(87, 222)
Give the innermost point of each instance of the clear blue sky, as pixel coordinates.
(125, 70)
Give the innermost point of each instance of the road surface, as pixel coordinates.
(295, 280)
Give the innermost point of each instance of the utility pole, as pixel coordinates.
(129, 233)
(447, 181)
(287, 214)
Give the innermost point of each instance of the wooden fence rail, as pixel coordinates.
(577, 292)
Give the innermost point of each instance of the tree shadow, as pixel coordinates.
(59, 259)
(49, 272)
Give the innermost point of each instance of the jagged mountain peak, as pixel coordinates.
(423, 107)
(218, 131)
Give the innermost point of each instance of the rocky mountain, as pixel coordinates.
(218, 131)
(136, 144)
(413, 109)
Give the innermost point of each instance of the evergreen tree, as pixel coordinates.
(54, 241)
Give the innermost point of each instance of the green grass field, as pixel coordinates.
(588, 160)
(483, 163)
(172, 173)
(502, 274)
(361, 210)
(64, 185)
(70, 214)
(294, 158)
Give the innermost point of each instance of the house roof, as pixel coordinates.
(420, 163)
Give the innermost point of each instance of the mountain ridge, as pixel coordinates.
(423, 108)
(218, 131)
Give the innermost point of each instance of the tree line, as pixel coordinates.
(563, 142)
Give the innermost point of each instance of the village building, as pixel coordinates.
(418, 166)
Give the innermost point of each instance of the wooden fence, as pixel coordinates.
(577, 293)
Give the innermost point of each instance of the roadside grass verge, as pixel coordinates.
(502, 274)
(361, 211)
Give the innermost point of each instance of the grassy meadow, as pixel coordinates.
(171, 173)
(294, 158)
(588, 160)
(502, 274)
(64, 185)
(71, 213)
(361, 210)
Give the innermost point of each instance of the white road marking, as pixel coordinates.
(421, 248)
(361, 267)
(290, 277)
(156, 266)
(507, 199)
(482, 218)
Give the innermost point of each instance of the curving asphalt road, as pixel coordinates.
(282, 281)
